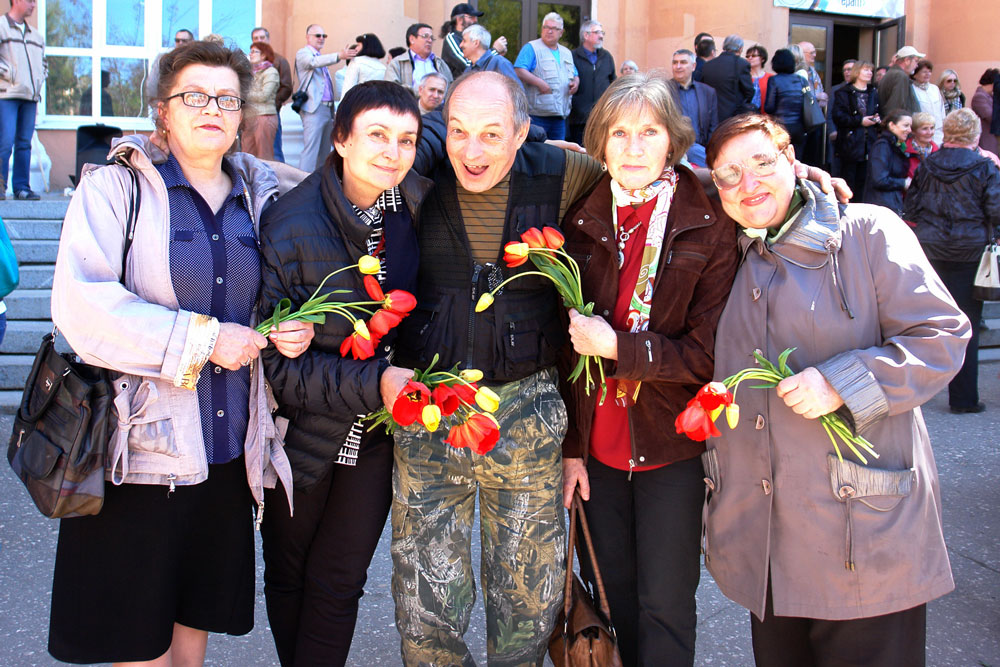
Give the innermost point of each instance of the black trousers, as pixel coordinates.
(316, 563)
(647, 536)
(855, 173)
(963, 390)
(891, 640)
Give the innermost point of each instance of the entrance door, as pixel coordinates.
(520, 21)
(840, 38)
(888, 39)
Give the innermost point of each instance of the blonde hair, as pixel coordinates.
(962, 126)
(856, 70)
(631, 94)
(920, 119)
(945, 74)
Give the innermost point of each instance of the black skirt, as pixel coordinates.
(149, 560)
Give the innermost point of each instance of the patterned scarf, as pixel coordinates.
(261, 66)
(662, 190)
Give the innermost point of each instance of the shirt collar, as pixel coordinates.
(173, 177)
(428, 59)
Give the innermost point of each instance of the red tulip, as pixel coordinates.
(534, 238)
(695, 422)
(399, 301)
(410, 403)
(515, 254)
(359, 346)
(383, 321)
(373, 288)
(465, 392)
(480, 432)
(553, 238)
(713, 396)
(446, 399)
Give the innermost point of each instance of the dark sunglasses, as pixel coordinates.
(319, 34)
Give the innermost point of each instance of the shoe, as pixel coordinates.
(972, 409)
(27, 194)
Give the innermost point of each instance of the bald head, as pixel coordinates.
(808, 52)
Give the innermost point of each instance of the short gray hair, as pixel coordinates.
(685, 52)
(554, 17)
(733, 44)
(478, 33)
(518, 100)
(962, 126)
(433, 75)
(588, 26)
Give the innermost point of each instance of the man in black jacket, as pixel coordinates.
(729, 74)
(704, 50)
(597, 70)
(462, 16)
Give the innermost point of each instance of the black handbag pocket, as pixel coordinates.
(39, 455)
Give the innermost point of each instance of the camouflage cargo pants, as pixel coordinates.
(522, 531)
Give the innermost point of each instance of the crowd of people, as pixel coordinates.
(705, 229)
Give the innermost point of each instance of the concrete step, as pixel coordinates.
(36, 252)
(990, 336)
(33, 229)
(36, 276)
(991, 310)
(29, 304)
(14, 369)
(9, 402)
(24, 337)
(46, 209)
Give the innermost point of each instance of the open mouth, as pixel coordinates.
(475, 170)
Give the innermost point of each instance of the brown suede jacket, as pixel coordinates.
(675, 357)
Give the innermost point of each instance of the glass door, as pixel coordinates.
(819, 32)
(888, 39)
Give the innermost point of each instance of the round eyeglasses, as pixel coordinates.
(729, 175)
(200, 100)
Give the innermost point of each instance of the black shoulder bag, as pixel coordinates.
(66, 418)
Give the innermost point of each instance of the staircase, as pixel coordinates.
(34, 228)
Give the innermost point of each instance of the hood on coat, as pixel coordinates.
(950, 164)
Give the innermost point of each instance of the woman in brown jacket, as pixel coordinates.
(836, 560)
(657, 258)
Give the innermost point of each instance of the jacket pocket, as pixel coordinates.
(426, 327)
(687, 256)
(527, 341)
(145, 429)
(877, 489)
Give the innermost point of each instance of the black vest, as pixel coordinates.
(521, 332)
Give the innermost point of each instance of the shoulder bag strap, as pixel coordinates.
(133, 211)
(601, 592)
(570, 548)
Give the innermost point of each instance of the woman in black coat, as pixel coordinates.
(855, 113)
(784, 98)
(954, 201)
(888, 163)
(362, 201)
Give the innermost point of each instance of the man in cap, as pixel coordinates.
(462, 16)
(895, 90)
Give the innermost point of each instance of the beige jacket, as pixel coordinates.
(22, 62)
(140, 331)
(262, 92)
(851, 289)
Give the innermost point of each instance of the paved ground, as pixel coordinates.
(963, 627)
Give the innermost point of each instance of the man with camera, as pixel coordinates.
(314, 98)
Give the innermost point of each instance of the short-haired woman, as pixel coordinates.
(835, 560)
(889, 163)
(784, 98)
(660, 256)
(954, 203)
(855, 113)
(920, 143)
(368, 65)
(629, 67)
(757, 56)
(929, 96)
(362, 201)
(170, 556)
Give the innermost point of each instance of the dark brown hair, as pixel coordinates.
(923, 64)
(739, 125)
(202, 53)
(630, 94)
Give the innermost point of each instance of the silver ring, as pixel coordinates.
(246, 362)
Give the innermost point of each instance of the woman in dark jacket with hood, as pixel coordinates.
(783, 99)
(954, 201)
(889, 163)
(362, 201)
(855, 113)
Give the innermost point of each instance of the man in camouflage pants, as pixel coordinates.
(492, 188)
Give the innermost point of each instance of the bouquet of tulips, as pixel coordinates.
(452, 396)
(393, 307)
(544, 248)
(697, 420)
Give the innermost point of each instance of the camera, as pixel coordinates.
(299, 100)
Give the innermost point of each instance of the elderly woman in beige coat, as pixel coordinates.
(836, 560)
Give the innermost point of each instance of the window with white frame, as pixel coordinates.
(112, 42)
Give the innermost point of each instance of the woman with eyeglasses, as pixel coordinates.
(757, 56)
(951, 91)
(170, 556)
(929, 96)
(259, 139)
(657, 258)
(836, 560)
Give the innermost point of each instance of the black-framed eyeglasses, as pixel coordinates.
(729, 175)
(321, 35)
(198, 100)
(429, 36)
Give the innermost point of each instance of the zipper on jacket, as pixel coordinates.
(631, 437)
(27, 58)
(260, 516)
(170, 478)
(472, 314)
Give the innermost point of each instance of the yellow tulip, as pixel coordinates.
(485, 301)
(369, 265)
(517, 249)
(732, 415)
(430, 416)
(487, 399)
(471, 375)
(362, 329)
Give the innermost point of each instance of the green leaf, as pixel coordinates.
(315, 318)
(783, 362)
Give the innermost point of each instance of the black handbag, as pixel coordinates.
(812, 112)
(66, 417)
(584, 635)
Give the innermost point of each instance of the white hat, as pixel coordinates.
(909, 51)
